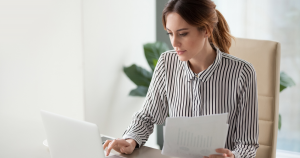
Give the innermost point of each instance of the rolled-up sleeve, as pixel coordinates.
(154, 110)
(246, 135)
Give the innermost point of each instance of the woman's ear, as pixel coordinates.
(204, 31)
(207, 34)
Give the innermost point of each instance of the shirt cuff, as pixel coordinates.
(236, 154)
(134, 137)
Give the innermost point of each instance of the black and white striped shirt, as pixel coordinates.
(227, 85)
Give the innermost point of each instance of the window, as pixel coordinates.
(277, 20)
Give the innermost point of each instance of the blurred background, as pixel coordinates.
(67, 56)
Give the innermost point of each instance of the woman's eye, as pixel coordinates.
(184, 34)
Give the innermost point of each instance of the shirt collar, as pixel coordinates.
(204, 75)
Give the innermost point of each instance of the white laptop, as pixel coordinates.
(71, 138)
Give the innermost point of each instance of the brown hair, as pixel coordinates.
(203, 15)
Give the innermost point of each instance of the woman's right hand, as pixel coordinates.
(120, 145)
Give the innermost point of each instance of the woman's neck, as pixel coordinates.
(203, 59)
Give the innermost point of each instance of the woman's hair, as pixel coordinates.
(203, 15)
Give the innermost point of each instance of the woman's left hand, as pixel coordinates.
(226, 153)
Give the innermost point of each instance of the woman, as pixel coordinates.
(198, 78)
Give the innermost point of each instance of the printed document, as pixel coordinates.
(194, 137)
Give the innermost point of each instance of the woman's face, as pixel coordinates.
(185, 38)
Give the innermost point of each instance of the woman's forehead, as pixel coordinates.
(175, 22)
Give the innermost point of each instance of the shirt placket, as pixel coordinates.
(196, 96)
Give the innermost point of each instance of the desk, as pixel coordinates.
(143, 152)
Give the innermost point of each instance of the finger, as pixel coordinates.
(110, 146)
(216, 156)
(123, 150)
(225, 151)
(106, 143)
(222, 150)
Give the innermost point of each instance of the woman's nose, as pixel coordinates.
(175, 42)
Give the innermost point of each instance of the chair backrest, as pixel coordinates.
(265, 57)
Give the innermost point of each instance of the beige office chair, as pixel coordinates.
(265, 57)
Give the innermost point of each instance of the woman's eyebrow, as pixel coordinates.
(179, 29)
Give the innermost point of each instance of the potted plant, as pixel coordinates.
(140, 76)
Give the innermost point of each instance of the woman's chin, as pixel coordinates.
(183, 58)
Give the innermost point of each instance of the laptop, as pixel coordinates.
(71, 138)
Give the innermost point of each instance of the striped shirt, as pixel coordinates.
(228, 85)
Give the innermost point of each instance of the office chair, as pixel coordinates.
(265, 57)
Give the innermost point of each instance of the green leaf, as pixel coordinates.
(140, 91)
(285, 81)
(282, 88)
(155, 62)
(138, 75)
(153, 51)
(279, 122)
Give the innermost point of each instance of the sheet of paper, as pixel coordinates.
(194, 137)
(217, 118)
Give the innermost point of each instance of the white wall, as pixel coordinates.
(114, 34)
(66, 56)
(40, 68)
(41, 58)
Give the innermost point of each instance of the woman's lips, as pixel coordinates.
(180, 52)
